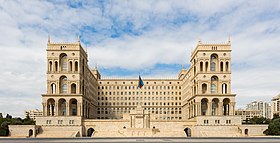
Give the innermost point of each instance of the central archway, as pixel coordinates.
(90, 132)
(188, 132)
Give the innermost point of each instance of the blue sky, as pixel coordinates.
(127, 37)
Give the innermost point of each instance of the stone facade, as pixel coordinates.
(197, 103)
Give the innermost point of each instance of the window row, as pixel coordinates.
(63, 64)
(137, 103)
(216, 122)
(214, 63)
(150, 109)
(136, 87)
(139, 93)
(137, 82)
(63, 86)
(153, 112)
(213, 88)
(49, 122)
(157, 118)
(137, 98)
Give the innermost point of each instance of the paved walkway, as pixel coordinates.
(141, 140)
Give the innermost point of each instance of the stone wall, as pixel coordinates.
(23, 131)
(253, 130)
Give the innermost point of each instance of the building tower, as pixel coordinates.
(68, 78)
(211, 81)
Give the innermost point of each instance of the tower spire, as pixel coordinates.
(228, 37)
(49, 39)
(199, 39)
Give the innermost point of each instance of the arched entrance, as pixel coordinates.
(90, 132)
(188, 132)
(30, 132)
(246, 132)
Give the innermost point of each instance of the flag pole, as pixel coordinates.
(139, 91)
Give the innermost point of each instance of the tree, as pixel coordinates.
(273, 127)
(28, 121)
(4, 122)
(258, 120)
(1, 116)
(9, 116)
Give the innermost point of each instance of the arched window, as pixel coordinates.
(222, 66)
(63, 84)
(50, 66)
(214, 82)
(227, 66)
(204, 106)
(224, 88)
(226, 109)
(215, 108)
(50, 107)
(201, 66)
(62, 107)
(63, 62)
(55, 66)
(53, 88)
(206, 66)
(73, 88)
(76, 66)
(71, 66)
(204, 88)
(73, 107)
(213, 62)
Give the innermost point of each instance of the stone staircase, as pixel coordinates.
(56, 132)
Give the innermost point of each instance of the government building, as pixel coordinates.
(79, 102)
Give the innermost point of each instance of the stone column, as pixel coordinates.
(209, 108)
(45, 110)
(220, 108)
(83, 110)
(78, 109)
(133, 121)
(56, 109)
(57, 88)
(193, 106)
(233, 108)
(191, 112)
(67, 108)
(199, 108)
(224, 65)
(196, 109)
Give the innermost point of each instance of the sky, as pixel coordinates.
(125, 37)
